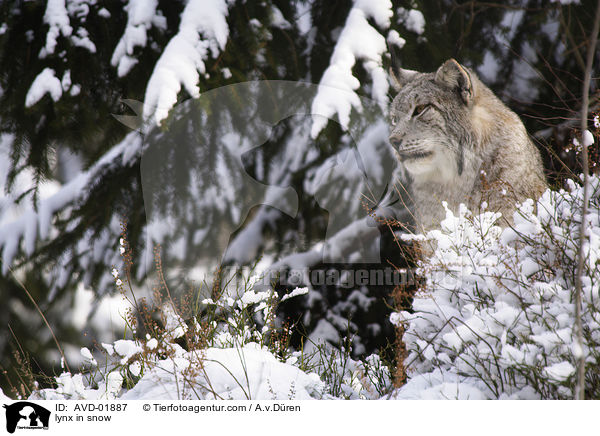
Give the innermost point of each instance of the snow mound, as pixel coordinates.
(245, 373)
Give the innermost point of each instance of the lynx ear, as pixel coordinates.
(454, 75)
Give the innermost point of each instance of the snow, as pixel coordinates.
(135, 368)
(65, 83)
(110, 349)
(379, 10)
(183, 58)
(226, 73)
(357, 40)
(524, 76)
(174, 325)
(439, 386)
(57, 18)
(560, 371)
(14, 204)
(104, 13)
(295, 293)
(252, 297)
(126, 349)
(75, 90)
(89, 358)
(81, 39)
(323, 333)
(249, 372)
(152, 344)
(72, 387)
(141, 14)
(45, 83)
(489, 68)
(86, 353)
(395, 39)
(304, 20)
(105, 316)
(588, 138)
(413, 20)
(79, 9)
(278, 20)
(3, 397)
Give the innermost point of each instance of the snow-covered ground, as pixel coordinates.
(238, 364)
(494, 320)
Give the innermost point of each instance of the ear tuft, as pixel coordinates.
(399, 76)
(454, 75)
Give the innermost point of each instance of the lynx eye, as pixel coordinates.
(420, 109)
(394, 120)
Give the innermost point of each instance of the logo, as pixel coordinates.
(211, 167)
(26, 415)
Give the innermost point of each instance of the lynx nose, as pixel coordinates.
(396, 141)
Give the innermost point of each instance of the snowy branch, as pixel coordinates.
(141, 16)
(183, 58)
(32, 225)
(358, 39)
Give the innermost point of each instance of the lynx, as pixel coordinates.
(460, 144)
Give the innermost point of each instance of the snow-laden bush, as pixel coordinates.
(234, 348)
(495, 316)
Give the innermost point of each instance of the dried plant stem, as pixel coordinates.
(580, 387)
(60, 350)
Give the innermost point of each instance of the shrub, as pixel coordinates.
(495, 315)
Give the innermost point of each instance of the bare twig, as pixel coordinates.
(580, 387)
(60, 350)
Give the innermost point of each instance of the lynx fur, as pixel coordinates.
(460, 144)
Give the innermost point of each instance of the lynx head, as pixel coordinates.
(430, 120)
